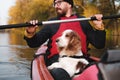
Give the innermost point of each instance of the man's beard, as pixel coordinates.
(61, 14)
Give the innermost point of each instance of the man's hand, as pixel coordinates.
(30, 31)
(98, 24)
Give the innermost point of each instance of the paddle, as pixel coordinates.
(56, 21)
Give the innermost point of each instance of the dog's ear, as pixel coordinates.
(60, 49)
(74, 41)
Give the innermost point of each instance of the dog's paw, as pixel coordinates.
(54, 65)
(50, 67)
(84, 61)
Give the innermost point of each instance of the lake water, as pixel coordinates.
(15, 57)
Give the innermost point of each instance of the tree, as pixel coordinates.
(26, 10)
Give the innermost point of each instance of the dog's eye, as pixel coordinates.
(66, 35)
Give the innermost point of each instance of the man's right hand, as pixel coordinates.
(30, 31)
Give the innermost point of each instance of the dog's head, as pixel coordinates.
(69, 41)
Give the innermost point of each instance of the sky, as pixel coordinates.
(4, 8)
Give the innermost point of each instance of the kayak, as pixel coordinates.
(39, 69)
(98, 71)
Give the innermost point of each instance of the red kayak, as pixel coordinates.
(39, 69)
(99, 71)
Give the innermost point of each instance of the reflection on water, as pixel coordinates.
(13, 47)
(16, 56)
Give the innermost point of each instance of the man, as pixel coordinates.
(63, 8)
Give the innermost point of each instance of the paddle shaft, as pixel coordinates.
(55, 22)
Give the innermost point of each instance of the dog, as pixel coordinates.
(69, 47)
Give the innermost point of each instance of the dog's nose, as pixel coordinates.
(57, 40)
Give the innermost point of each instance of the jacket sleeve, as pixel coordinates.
(39, 38)
(96, 37)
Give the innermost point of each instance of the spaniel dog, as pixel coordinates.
(69, 46)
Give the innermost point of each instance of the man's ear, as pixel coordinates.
(70, 5)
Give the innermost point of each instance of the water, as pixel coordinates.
(15, 57)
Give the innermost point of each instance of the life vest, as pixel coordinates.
(76, 26)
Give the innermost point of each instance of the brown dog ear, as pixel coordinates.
(74, 41)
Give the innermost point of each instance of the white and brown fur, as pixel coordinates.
(69, 44)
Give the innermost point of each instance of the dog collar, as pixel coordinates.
(73, 56)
